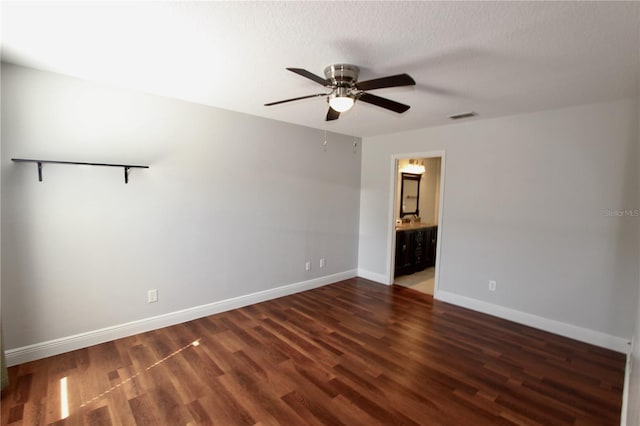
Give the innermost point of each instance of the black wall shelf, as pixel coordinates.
(126, 167)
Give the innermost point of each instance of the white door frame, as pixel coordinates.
(391, 235)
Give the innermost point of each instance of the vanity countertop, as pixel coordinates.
(410, 226)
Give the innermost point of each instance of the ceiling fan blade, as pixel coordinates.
(332, 114)
(383, 102)
(311, 76)
(391, 81)
(295, 99)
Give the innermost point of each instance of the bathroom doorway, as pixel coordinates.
(417, 220)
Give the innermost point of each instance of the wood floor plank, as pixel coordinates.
(353, 352)
(99, 417)
(314, 412)
(144, 411)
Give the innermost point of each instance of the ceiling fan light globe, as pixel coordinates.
(341, 103)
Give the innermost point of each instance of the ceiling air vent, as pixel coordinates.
(463, 115)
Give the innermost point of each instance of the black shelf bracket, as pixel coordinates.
(126, 167)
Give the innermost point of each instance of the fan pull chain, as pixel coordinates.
(355, 139)
(324, 144)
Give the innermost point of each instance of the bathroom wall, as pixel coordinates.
(429, 189)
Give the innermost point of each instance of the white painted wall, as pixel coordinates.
(525, 201)
(231, 205)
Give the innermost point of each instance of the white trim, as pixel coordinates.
(436, 277)
(391, 236)
(374, 276)
(391, 222)
(94, 337)
(627, 382)
(593, 337)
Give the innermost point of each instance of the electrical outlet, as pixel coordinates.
(323, 263)
(152, 295)
(492, 285)
(307, 266)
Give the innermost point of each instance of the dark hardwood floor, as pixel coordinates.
(352, 353)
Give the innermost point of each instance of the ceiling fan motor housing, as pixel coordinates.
(342, 75)
(342, 80)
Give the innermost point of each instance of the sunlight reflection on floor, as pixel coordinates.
(194, 344)
(64, 399)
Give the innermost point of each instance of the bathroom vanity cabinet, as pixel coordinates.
(415, 248)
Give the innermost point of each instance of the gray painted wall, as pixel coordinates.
(633, 399)
(525, 204)
(232, 205)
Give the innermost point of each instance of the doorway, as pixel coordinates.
(418, 188)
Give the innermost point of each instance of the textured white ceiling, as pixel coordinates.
(495, 58)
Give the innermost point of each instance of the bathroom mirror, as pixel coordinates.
(409, 194)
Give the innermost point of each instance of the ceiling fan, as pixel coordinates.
(342, 79)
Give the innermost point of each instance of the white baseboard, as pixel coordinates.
(593, 337)
(83, 340)
(373, 276)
